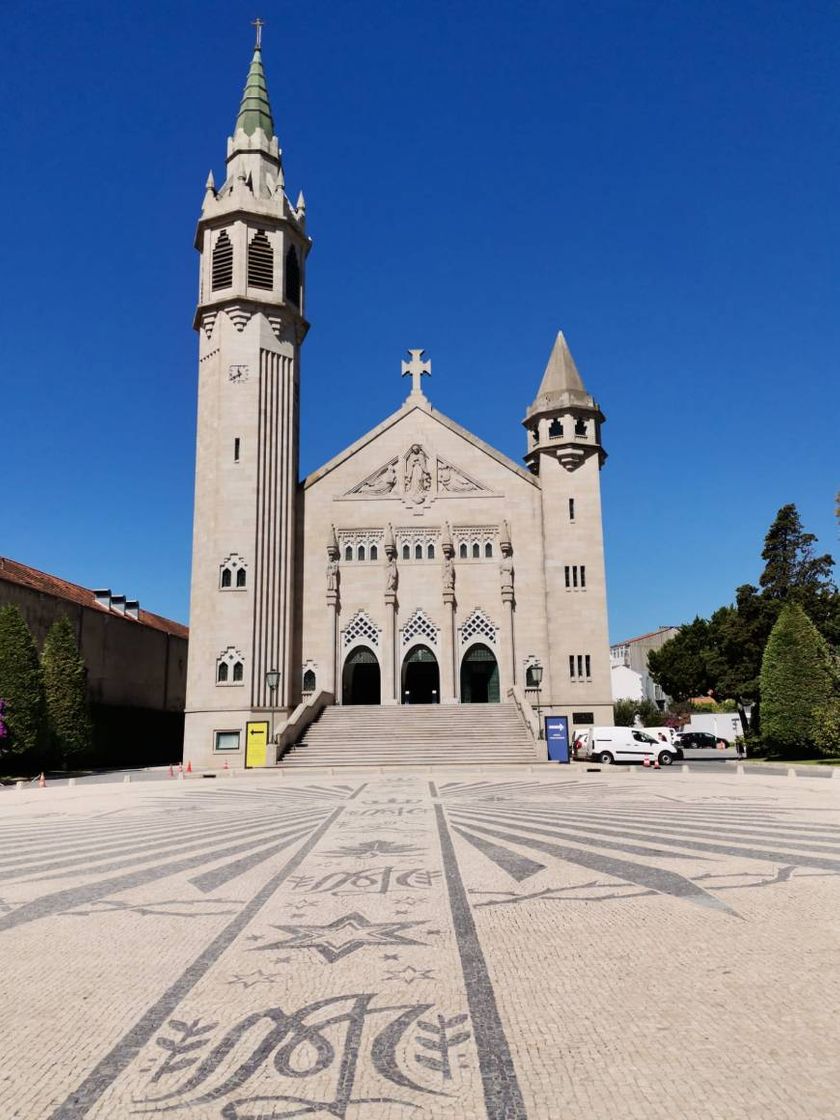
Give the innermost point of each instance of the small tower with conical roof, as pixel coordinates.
(250, 322)
(565, 452)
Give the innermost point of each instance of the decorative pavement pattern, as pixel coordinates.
(526, 943)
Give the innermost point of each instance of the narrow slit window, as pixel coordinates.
(418, 552)
(583, 575)
(226, 577)
(222, 267)
(406, 552)
(238, 670)
(588, 666)
(574, 575)
(348, 552)
(260, 262)
(488, 549)
(222, 672)
(568, 577)
(572, 666)
(579, 666)
(362, 552)
(237, 447)
(430, 552)
(240, 577)
(374, 552)
(476, 551)
(292, 285)
(571, 509)
(462, 552)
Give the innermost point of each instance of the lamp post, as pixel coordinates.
(272, 681)
(536, 677)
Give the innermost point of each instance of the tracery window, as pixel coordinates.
(419, 626)
(361, 628)
(233, 573)
(230, 667)
(477, 625)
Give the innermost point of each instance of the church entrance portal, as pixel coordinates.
(420, 677)
(479, 676)
(360, 679)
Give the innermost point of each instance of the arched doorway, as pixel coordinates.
(360, 681)
(479, 676)
(420, 677)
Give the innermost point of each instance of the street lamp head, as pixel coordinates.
(272, 680)
(537, 674)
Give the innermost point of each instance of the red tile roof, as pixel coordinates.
(25, 576)
(641, 637)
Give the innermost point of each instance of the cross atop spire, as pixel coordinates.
(417, 369)
(259, 24)
(255, 110)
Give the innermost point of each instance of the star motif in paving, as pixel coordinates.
(366, 849)
(409, 974)
(344, 936)
(390, 956)
(249, 979)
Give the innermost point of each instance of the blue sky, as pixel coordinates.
(658, 179)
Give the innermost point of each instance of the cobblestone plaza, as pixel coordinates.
(531, 942)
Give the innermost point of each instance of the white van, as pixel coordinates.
(625, 744)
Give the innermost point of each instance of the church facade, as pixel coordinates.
(418, 566)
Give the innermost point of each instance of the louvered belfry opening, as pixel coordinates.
(222, 262)
(260, 262)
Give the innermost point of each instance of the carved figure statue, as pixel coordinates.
(506, 572)
(453, 480)
(448, 574)
(392, 575)
(383, 482)
(332, 575)
(417, 478)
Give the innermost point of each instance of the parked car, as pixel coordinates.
(700, 739)
(625, 744)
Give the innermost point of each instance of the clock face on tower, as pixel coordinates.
(237, 373)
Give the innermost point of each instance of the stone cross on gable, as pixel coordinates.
(416, 368)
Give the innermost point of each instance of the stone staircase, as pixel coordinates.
(415, 735)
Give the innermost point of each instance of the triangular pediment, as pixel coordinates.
(396, 418)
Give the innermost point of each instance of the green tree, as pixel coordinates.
(21, 686)
(679, 667)
(624, 712)
(827, 728)
(797, 679)
(65, 686)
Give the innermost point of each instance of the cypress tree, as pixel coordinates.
(65, 685)
(797, 679)
(21, 685)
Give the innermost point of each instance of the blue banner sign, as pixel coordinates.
(557, 737)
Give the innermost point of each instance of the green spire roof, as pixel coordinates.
(255, 110)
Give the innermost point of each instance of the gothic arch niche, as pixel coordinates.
(361, 677)
(292, 278)
(479, 675)
(420, 676)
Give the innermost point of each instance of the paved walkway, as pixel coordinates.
(550, 943)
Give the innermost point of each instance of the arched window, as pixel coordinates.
(226, 577)
(260, 262)
(476, 551)
(222, 672)
(240, 577)
(292, 277)
(580, 428)
(406, 552)
(362, 554)
(308, 681)
(418, 552)
(374, 552)
(462, 551)
(238, 670)
(222, 262)
(488, 548)
(430, 552)
(348, 552)
(555, 429)
(530, 677)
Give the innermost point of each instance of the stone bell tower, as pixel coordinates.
(250, 323)
(564, 450)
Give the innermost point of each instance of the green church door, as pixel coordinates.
(479, 676)
(360, 681)
(420, 677)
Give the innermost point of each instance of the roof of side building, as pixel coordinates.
(14, 572)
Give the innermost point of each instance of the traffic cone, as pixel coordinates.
(171, 771)
(226, 764)
(189, 767)
(180, 768)
(647, 760)
(656, 765)
(42, 781)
